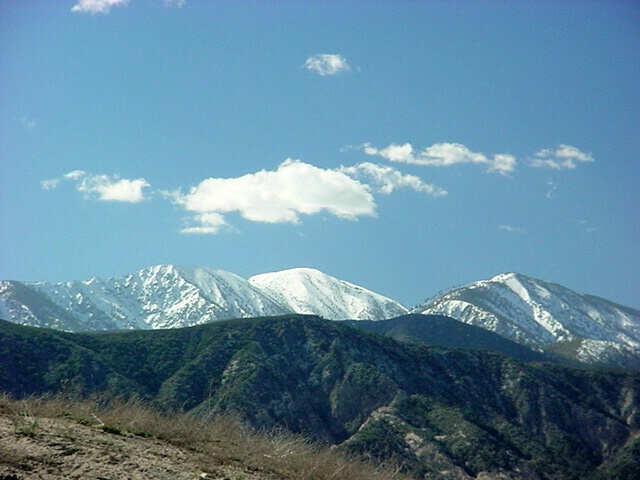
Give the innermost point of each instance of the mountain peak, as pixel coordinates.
(502, 277)
(307, 290)
(535, 313)
(170, 296)
(540, 314)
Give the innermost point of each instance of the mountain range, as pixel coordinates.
(166, 296)
(540, 315)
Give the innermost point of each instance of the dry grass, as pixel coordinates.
(217, 441)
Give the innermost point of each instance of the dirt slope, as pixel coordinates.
(59, 448)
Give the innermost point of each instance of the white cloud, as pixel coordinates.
(97, 6)
(503, 163)
(281, 196)
(393, 153)
(103, 187)
(208, 223)
(75, 175)
(389, 179)
(327, 64)
(562, 158)
(116, 190)
(443, 155)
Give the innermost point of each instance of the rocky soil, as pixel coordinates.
(60, 448)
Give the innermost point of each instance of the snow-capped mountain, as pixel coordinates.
(539, 314)
(306, 290)
(166, 296)
(545, 315)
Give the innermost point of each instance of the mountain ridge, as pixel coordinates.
(443, 413)
(438, 330)
(538, 314)
(545, 316)
(168, 296)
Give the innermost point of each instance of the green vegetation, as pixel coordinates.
(445, 331)
(431, 409)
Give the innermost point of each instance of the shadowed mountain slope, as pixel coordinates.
(439, 330)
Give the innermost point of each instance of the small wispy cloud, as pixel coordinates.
(97, 6)
(175, 3)
(50, 183)
(104, 6)
(443, 155)
(207, 224)
(389, 179)
(584, 225)
(552, 186)
(565, 157)
(511, 229)
(295, 188)
(327, 64)
(103, 187)
(28, 122)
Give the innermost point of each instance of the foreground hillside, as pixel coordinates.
(441, 412)
(63, 439)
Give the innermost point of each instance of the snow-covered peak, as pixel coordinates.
(169, 296)
(306, 290)
(537, 313)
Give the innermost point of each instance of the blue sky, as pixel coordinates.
(406, 147)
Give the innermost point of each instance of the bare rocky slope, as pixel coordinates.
(61, 438)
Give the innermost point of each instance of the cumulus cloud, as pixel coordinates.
(327, 64)
(442, 155)
(388, 179)
(283, 195)
(97, 6)
(103, 187)
(502, 163)
(295, 188)
(393, 153)
(114, 189)
(562, 158)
